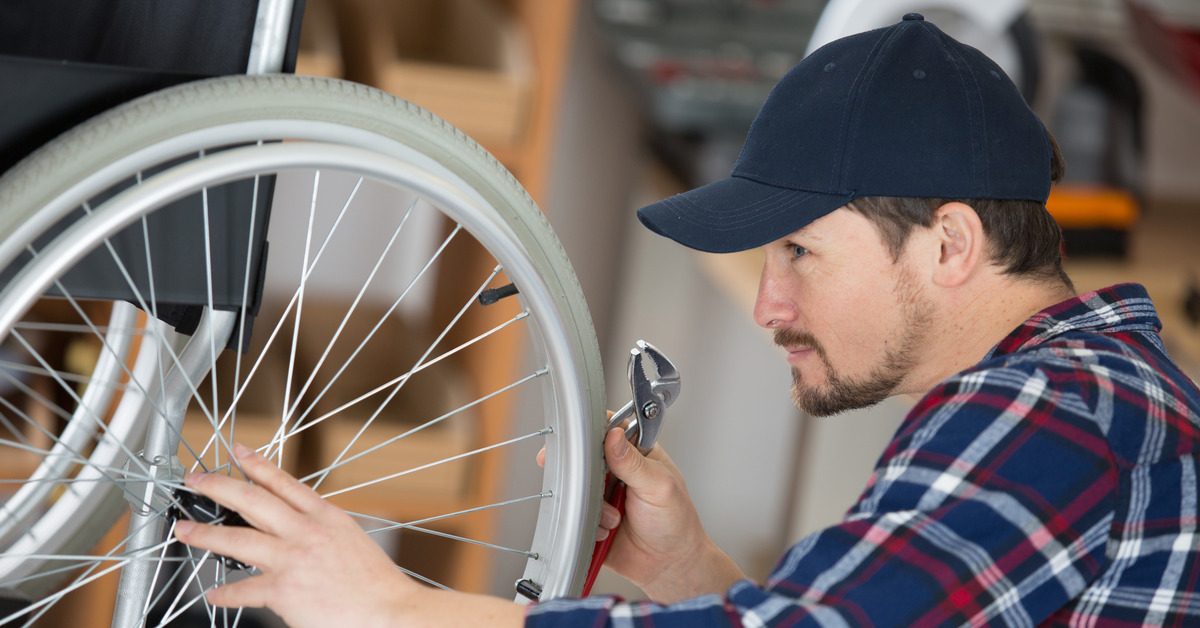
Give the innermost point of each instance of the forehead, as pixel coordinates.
(841, 224)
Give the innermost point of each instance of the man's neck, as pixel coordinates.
(978, 317)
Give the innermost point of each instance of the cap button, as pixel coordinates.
(913, 16)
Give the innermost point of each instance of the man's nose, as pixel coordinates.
(774, 306)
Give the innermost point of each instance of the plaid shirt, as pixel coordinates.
(1054, 483)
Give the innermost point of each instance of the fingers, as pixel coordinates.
(263, 472)
(271, 504)
(610, 518)
(623, 459)
(247, 545)
(252, 592)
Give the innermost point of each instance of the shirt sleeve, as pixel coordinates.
(993, 505)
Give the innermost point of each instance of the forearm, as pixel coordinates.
(436, 608)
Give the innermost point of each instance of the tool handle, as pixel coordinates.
(615, 495)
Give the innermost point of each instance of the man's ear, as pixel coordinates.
(959, 234)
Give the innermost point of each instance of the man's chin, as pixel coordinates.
(823, 400)
(823, 406)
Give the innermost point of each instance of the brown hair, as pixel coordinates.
(1023, 237)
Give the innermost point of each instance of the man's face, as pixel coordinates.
(852, 321)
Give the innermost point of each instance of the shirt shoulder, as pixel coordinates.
(1117, 384)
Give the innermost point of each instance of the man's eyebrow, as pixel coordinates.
(805, 233)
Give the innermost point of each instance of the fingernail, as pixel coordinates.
(191, 479)
(184, 527)
(621, 449)
(241, 451)
(609, 518)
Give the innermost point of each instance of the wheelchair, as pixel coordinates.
(219, 251)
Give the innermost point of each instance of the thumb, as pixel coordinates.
(624, 460)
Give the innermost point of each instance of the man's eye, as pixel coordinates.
(798, 251)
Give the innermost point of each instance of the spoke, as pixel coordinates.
(174, 609)
(473, 452)
(118, 476)
(157, 571)
(350, 311)
(67, 328)
(306, 271)
(241, 340)
(400, 381)
(70, 390)
(87, 411)
(445, 535)
(208, 284)
(124, 558)
(89, 414)
(75, 378)
(106, 346)
(47, 602)
(424, 579)
(463, 539)
(159, 342)
(152, 307)
(88, 559)
(84, 579)
(76, 459)
(422, 426)
(149, 262)
(58, 411)
(115, 475)
(392, 525)
(275, 331)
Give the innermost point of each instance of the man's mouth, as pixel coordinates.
(797, 352)
(798, 345)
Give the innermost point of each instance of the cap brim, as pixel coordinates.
(736, 214)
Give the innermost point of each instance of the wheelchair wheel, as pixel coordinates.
(405, 339)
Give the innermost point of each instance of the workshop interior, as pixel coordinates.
(596, 108)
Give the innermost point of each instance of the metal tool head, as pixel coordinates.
(651, 396)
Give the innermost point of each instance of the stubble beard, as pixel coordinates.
(840, 393)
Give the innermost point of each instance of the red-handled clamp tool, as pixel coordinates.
(642, 420)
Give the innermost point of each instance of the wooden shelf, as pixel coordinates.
(495, 68)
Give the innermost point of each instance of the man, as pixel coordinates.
(896, 181)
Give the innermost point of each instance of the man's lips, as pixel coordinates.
(798, 352)
(798, 345)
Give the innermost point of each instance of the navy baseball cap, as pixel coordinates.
(899, 111)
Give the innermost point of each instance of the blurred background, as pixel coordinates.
(601, 106)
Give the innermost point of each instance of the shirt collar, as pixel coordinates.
(1123, 307)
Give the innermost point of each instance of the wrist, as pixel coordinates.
(706, 570)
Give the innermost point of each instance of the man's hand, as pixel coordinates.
(318, 567)
(661, 546)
